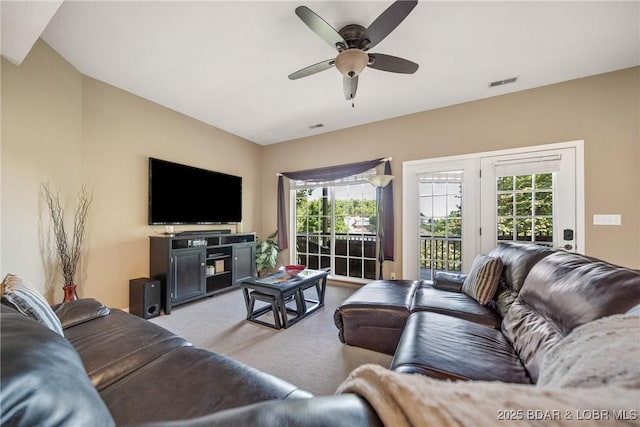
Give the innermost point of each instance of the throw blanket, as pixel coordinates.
(415, 400)
(603, 352)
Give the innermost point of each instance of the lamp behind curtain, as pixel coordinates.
(331, 173)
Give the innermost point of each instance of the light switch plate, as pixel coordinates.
(609, 219)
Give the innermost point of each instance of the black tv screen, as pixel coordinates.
(181, 194)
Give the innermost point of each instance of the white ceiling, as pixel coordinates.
(226, 62)
(22, 24)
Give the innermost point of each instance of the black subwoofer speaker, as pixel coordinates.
(144, 297)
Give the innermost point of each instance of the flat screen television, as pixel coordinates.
(181, 194)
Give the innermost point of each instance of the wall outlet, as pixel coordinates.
(393, 275)
(610, 219)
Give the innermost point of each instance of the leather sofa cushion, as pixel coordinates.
(562, 292)
(373, 317)
(73, 313)
(503, 299)
(391, 293)
(448, 281)
(517, 260)
(191, 382)
(43, 380)
(117, 344)
(447, 347)
(429, 298)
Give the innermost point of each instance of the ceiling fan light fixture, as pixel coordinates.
(351, 62)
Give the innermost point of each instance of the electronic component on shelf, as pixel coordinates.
(196, 243)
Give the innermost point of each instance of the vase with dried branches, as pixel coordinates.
(68, 251)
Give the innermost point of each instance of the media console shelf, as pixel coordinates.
(195, 265)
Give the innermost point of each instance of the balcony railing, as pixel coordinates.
(439, 253)
(354, 254)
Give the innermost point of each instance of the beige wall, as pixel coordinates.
(120, 133)
(41, 142)
(68, 129)
(602, 110)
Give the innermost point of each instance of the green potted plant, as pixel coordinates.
(267, 253)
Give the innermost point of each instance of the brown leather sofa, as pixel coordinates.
(113, 368)
(432, 328)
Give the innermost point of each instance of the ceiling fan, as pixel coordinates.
(353, 41)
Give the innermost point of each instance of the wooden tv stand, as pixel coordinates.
(180, 263)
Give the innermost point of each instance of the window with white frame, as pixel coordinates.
(335, 226)
(525, 208)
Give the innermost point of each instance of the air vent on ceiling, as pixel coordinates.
(316, 126)
(503, 82)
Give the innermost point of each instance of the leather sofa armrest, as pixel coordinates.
(43, 379)
(76, 312)
(345, 410)
(449, 281)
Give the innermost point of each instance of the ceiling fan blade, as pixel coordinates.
(390, 63)
(385, 23)
(312, 69)
(350, 85)
(321, 28)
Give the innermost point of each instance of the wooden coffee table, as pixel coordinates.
(282, 287)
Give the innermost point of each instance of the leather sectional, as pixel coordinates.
(113, 368)
(435, 329)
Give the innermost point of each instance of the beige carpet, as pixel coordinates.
(307, 354)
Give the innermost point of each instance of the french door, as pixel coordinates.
(457, 207)
(440, 216)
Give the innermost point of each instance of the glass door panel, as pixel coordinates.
(525, 208)
(440, 204)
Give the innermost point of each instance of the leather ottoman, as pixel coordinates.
(374, 316)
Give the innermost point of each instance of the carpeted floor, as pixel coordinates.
(307, 354)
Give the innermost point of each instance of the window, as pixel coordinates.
(532, 197)
(335, 226)
(525, 208)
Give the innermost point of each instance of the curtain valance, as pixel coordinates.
(330, 173)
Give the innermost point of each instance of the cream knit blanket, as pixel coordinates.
(603, 352)
(415, 400)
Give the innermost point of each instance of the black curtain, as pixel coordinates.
(331, 173)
